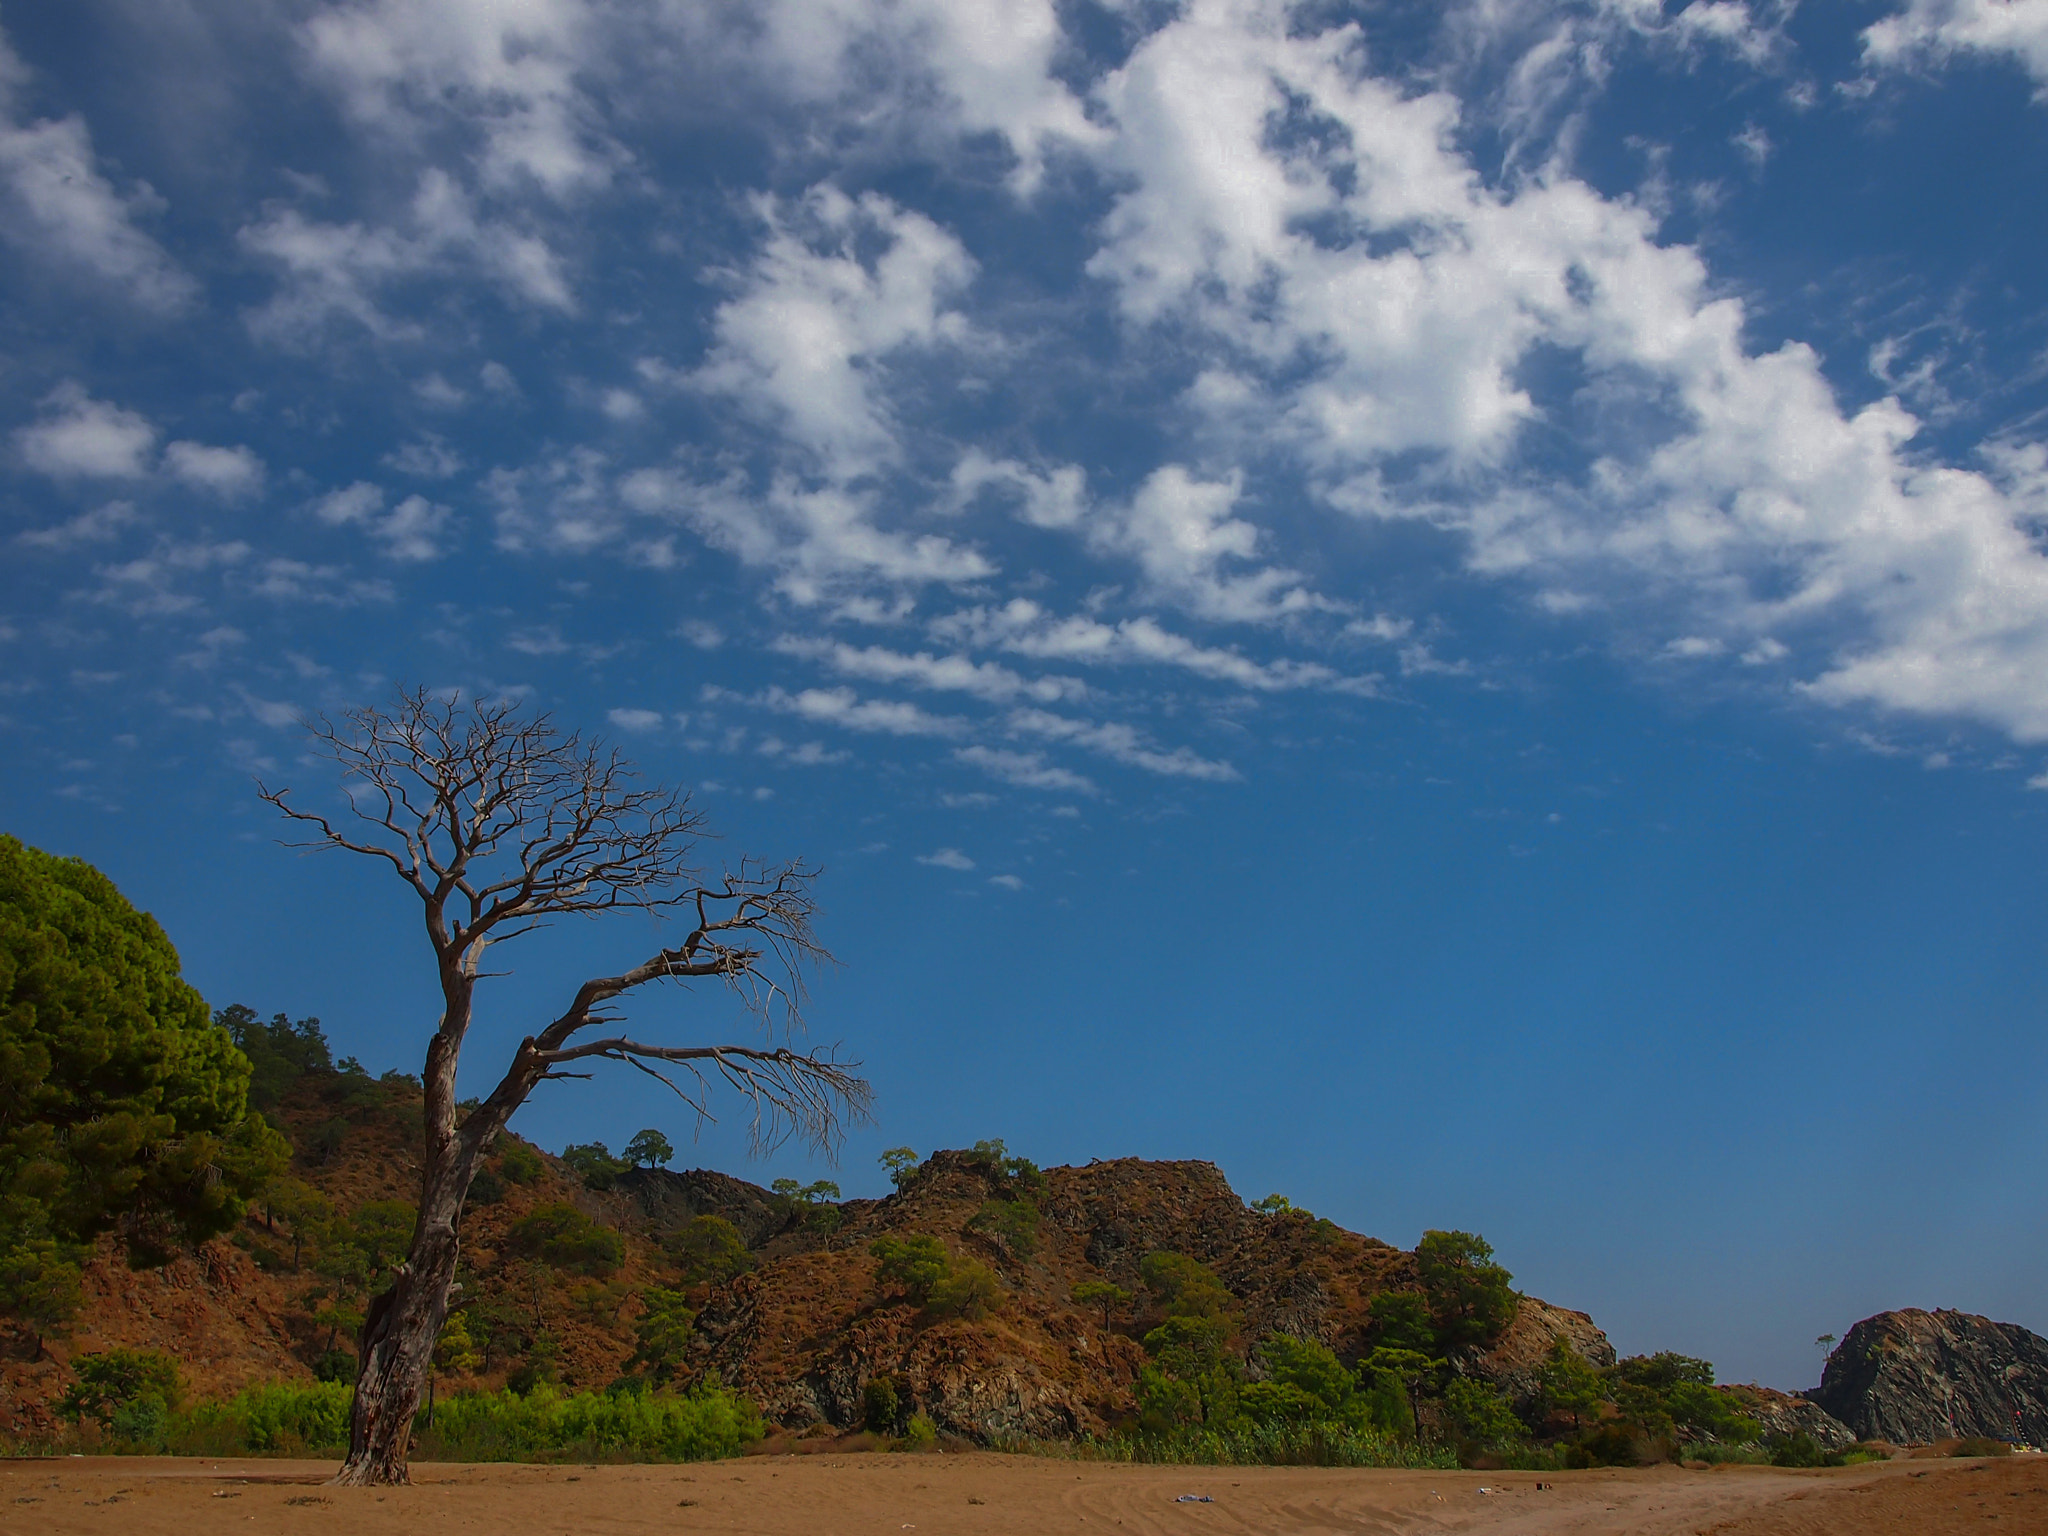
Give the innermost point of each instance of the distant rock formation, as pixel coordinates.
(669, 1200)
(1785, 1414)
(1914, 1377)
(1515, 1363)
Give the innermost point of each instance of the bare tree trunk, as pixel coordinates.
(396, 1351)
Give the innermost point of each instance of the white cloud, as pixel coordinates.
(820, 540)
(229, 473)
(843, 707)
(1933, 31)
(1120, 743)
(330, 271)
(274, 713)
(636, 720)
(1029, 770)
(841, 286)
(502, 71)
(1007, 882)
(56, 205)
(1027, 629)
(427, 457)
(78, 436)
(1377, 300)
(96, 526)
(983, 680)
(947, 858)
(947, 68)
(414, 530)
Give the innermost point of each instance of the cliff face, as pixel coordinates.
(1914, 1377)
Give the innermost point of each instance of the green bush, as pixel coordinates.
(1243, 1443)
(969, 1290)
(920, 1434)
(708, 1248)
(1014, 1223)
(594, 1164)
(520, 1164)
(118, 1380)
(881, 1407)
(1480, 1417)
(278, 1419)
(917, 1264)
(621, 1426)
(561, 1235)
(1979, 1445)
(487, 1188)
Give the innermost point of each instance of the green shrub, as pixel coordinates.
(970, 1290)
(487, 1188)
(917, 1264)
(662, 1330)
(1611, 1445)
(560, 1235)
(594, 1164)
(881, 1407)
(115, 1380)
(709, 1248)
(621, 1426)
(520, 1164)
(1480, 1417)
(278, 1419)
(1979, 1445)
(1243, 1443)
(920, 1434)
(1014, 1223)
(1185, 1287)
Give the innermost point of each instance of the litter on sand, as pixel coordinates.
(1194, 1498)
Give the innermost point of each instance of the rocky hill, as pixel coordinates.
(803, 1330)
(800, 1319)
(1912, 1377)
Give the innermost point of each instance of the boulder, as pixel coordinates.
(1914, 1377)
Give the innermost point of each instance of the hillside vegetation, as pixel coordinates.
(1139, 1308)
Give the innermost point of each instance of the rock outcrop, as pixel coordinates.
(1516, 1359)
(1914, 1377)
(1784, 1414)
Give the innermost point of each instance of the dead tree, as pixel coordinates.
(499, 822)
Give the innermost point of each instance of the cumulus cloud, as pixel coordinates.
(636, 720)
(229, 473)
(1376, 301)
(78, 436)
(947, 858)
(841, 285)
(413, 530)
(57, 206)
(1028, 770)
(338, 271)
(819, 540)
(502, 72)
(1934, 31)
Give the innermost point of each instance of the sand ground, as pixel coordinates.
(990, 1495)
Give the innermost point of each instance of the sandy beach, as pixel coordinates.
(990, 1495)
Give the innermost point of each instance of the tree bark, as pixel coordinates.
(396, 1349)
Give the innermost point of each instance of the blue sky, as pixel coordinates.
(1442, 605)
